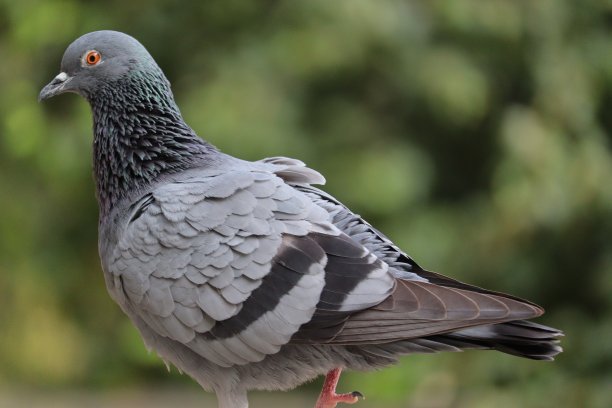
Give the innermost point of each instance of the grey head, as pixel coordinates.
(139, 133)
(98, 59)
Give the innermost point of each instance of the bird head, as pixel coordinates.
(97, 60)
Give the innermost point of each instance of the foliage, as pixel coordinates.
(476, 134)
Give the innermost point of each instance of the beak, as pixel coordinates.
(55, 87)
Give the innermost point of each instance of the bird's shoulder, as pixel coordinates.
(207, 218)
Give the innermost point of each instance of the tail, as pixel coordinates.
(520, 338)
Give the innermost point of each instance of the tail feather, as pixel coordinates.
(519, 338)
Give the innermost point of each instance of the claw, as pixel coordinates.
(328, 397)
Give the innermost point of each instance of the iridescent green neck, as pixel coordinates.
(139, 135)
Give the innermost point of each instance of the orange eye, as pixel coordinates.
(92, 57)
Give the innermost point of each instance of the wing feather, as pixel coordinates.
(224, 263)
(237, 263)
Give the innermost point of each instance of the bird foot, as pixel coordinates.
(329, 398)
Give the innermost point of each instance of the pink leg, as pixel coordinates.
(328, 397)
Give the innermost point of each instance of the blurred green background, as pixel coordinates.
(476, 134)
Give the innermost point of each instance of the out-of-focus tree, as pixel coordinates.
(476, 134)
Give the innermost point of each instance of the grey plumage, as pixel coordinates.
(244, 275)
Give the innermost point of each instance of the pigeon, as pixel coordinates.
(246, 276)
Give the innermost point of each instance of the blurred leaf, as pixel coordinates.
(475, 134)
